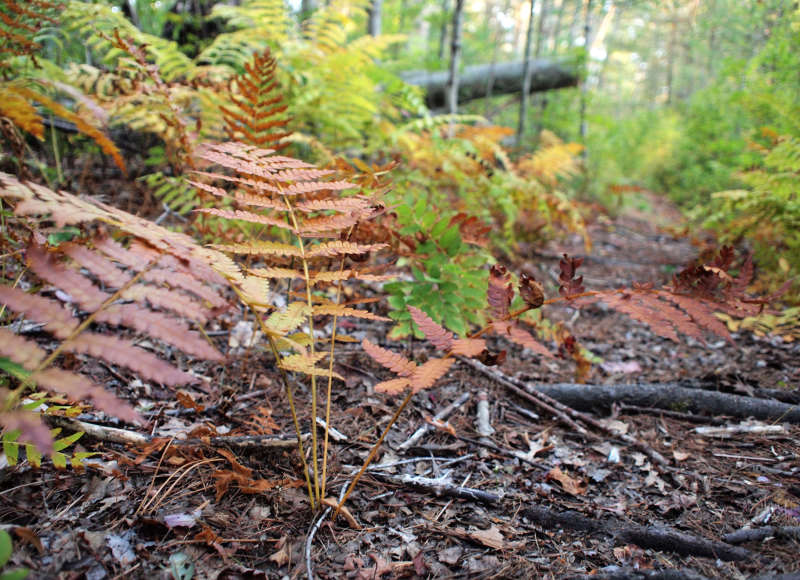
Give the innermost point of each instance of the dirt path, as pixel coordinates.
(542, 499)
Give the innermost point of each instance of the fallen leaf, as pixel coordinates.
(450, 555)
(571, 485)
(680, 455)
(283, 555)
(491, 538)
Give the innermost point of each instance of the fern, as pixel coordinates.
(292, 197)
(167, 274)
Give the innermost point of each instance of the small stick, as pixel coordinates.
(315, 528)
(441, 415)
(114, 435)
(439, 487)
(484, 423)
(758, 534)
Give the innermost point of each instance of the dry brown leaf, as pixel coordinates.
(571, 485)
(283, 555)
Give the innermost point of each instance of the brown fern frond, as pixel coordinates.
(438, 336)
(260, 248)
(500, 293)
(341, 310)
(19, 24)
(511, 330)
(394, 362)
(340, 248)
(469, 347)
(355, 203)
(166, 299)
(247, 216)
(20, 350)
(80, 289)
(570, 284)
(426, 375)
(170, 330)
(103, 268)
(56, 319)
(702, 312)
(31, 429)
(392, 386)
(653, 312)
(124, 353)
(78, 388)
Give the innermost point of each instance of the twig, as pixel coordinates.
(439, 487)
(441, 415)
(500, 450)
(483, 421)
(114, 435)
(315, 528)
(749, 429)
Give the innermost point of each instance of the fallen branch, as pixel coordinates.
(617, 573)
(439, 487)
(667, 396)
(651, 537)
(758, 534)
(538, 397)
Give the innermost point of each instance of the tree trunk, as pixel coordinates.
(584, 86)
(443, 28)
(537, 51)
(455, 58)
(307, 8)
(526, 78)
(556, 31)
(545, 75)
(573, 24)
(374, 22)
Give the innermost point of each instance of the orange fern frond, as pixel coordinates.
(426, 375)
(438, 336)
(396, 363)
(500, 293)
(257, 115)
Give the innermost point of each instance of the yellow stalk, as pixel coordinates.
(314, 443)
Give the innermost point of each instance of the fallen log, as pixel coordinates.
(667, 396)
(546, 75)
(647, 537)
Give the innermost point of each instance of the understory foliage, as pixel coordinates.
(86, 284)
(489, 203)
(22, 25)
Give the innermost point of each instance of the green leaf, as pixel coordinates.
(34, 457)
(5, 547)
(10, 447)
(15, 370)
(65, 235)
(65, 442)
(19, 574)
(59, 460)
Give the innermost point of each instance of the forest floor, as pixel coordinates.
(537, 498)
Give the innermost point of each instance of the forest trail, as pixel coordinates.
(517, 493)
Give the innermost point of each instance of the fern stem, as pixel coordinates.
(330, 382)
(312, 346)
(373, 452)
(289, 393)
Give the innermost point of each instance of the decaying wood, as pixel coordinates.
(483, 421)
(664, 539)
(439, 487)
(538, 397)
(758, 534)
(667, 396)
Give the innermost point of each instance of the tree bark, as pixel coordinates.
(455, 58)
(374, 22)
(545, 75)
(583, 130)
(526, 78)
(443, 28)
